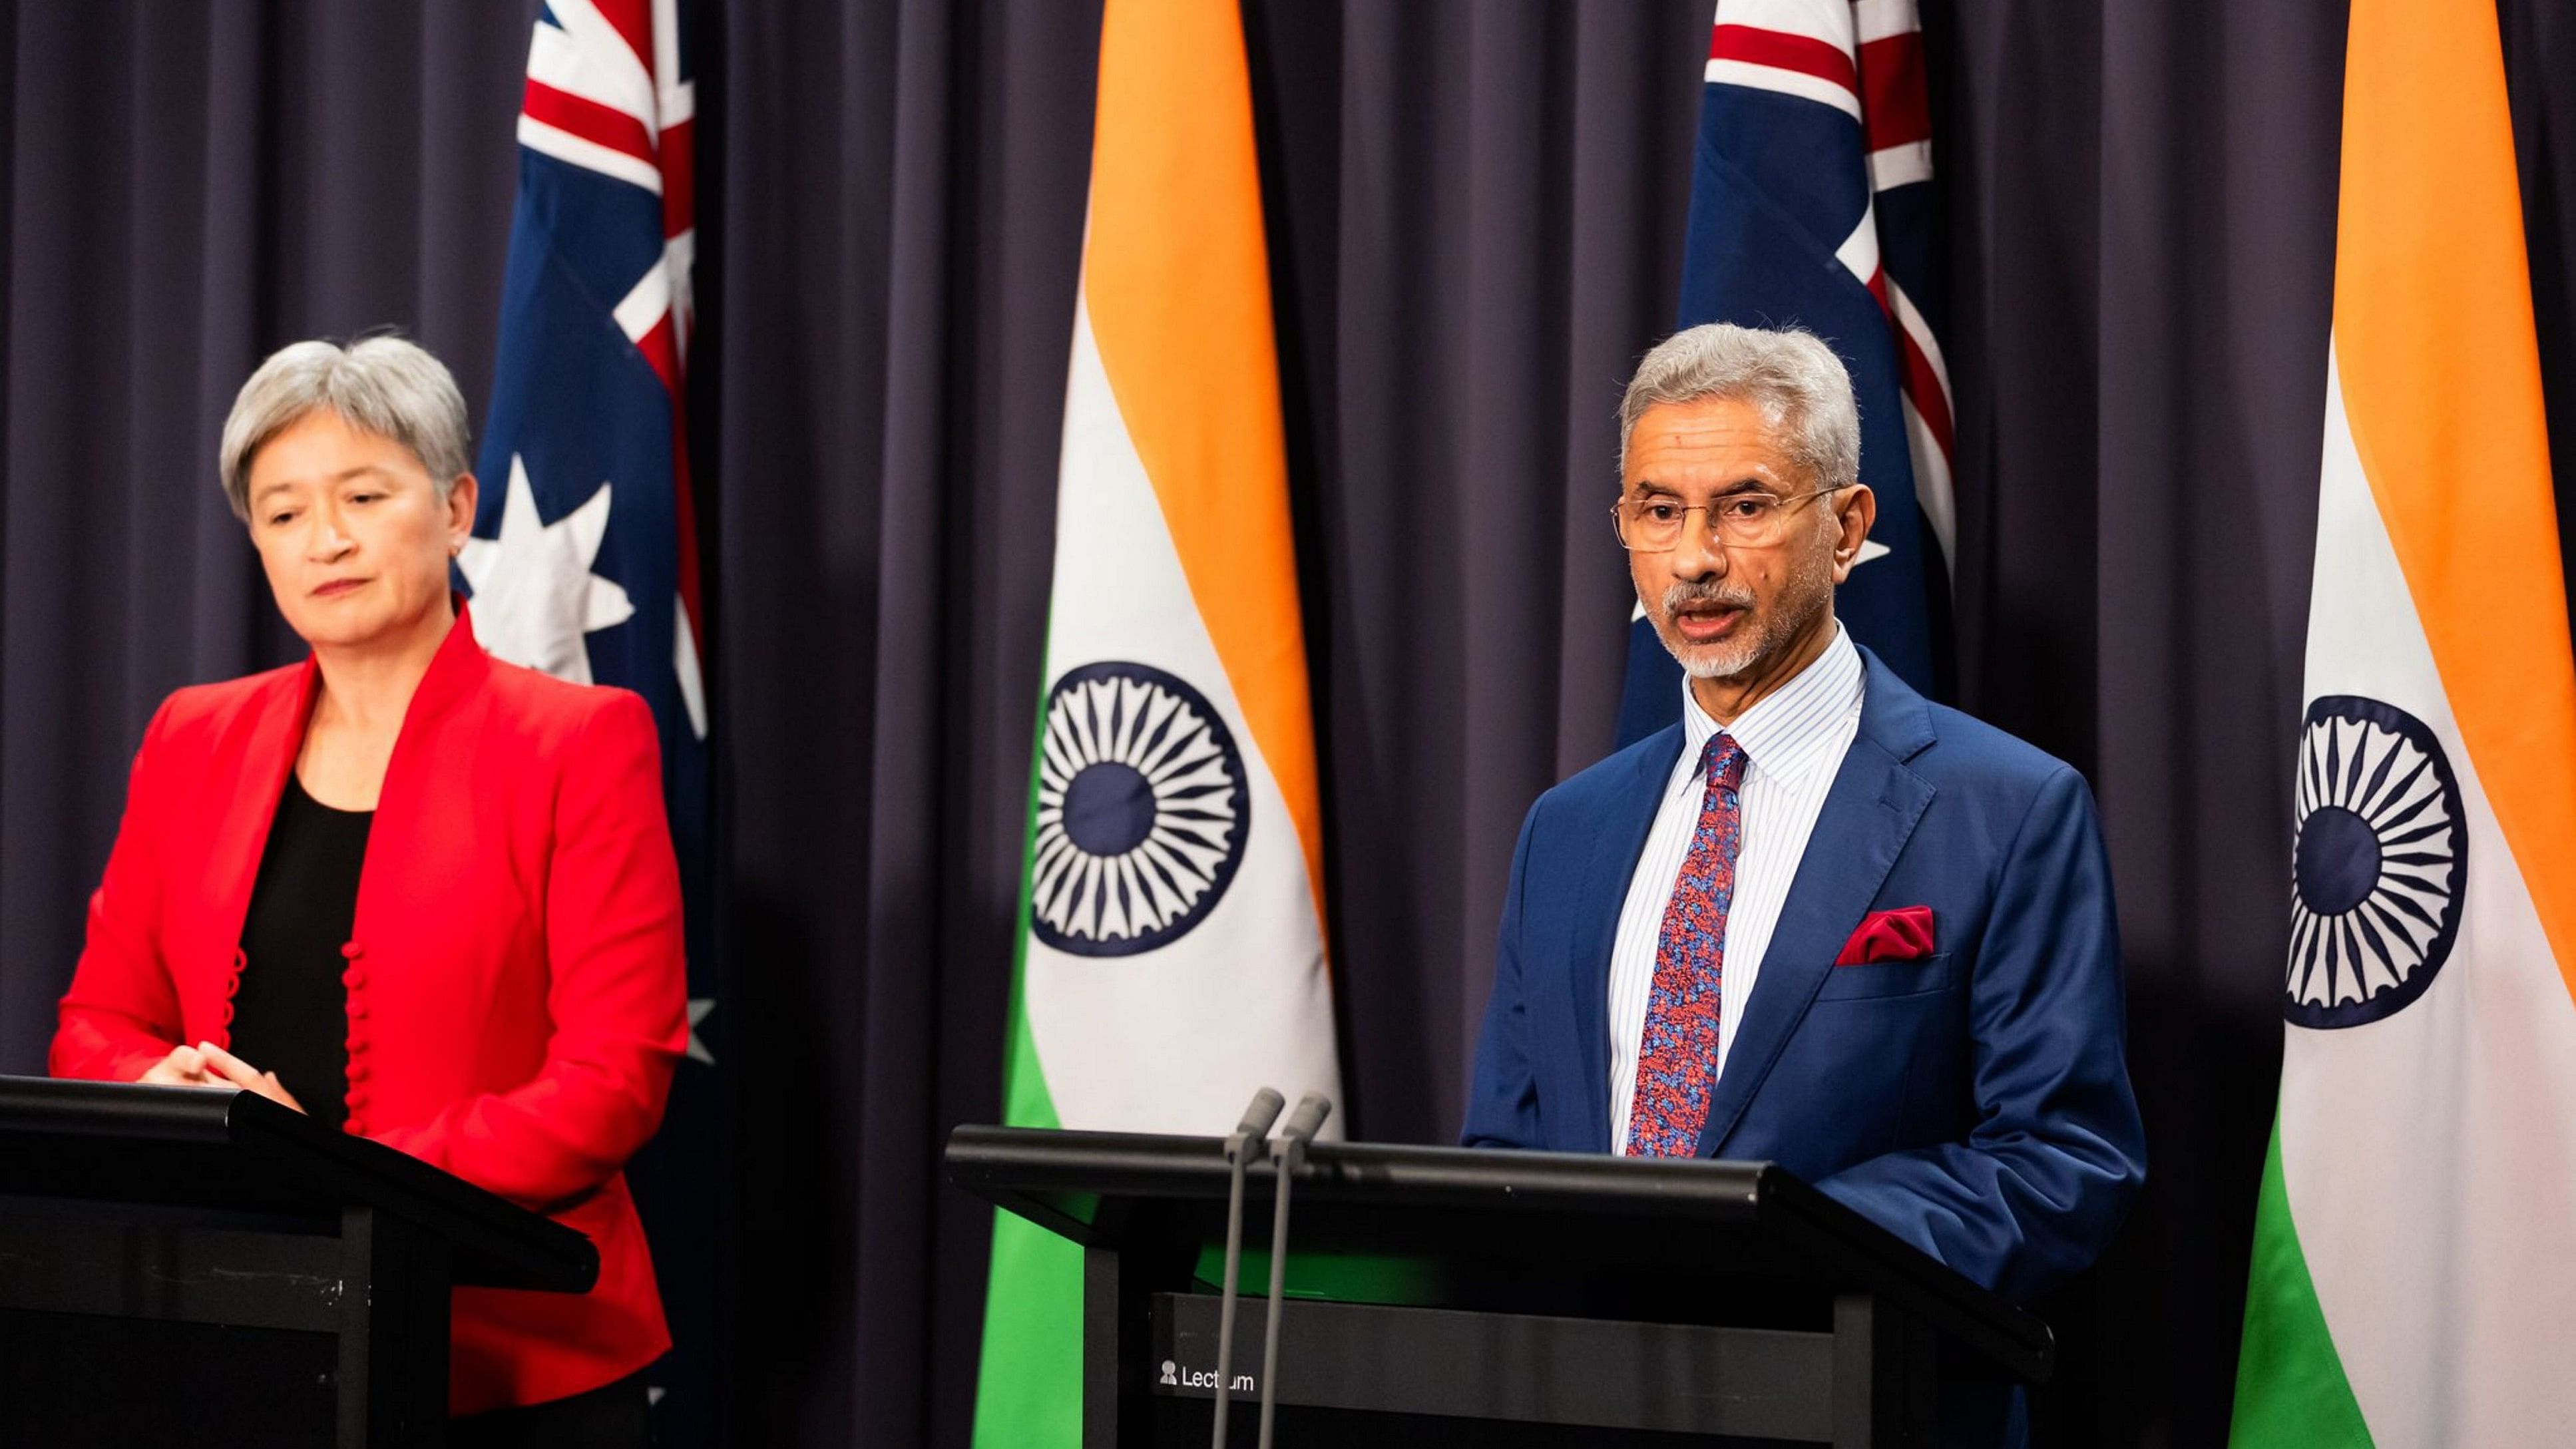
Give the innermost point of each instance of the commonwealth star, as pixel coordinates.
(535, 598)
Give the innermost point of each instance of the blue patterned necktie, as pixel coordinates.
(1677, 1060)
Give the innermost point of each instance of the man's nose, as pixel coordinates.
(1698, 554)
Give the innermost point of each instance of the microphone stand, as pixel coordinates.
(1302, 1126)
(1249, 1139)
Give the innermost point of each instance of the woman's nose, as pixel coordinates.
(329, 540)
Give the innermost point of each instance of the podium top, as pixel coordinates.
(219, 1150)
(1521, 1222)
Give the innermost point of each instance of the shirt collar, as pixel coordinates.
(1790, 730)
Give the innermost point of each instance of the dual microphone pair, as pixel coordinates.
(1251, 1139)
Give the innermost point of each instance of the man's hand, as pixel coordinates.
(231, 1069)
(183, 1067)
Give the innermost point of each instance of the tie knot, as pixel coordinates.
(1723, 760)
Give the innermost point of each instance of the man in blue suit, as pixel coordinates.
(1817, 920)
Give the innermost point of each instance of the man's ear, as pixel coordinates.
(1855, 510)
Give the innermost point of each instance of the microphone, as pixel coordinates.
(1249, 1139)
(1258, 1115)
(1302, 1126)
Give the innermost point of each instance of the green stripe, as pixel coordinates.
(1028, 1393)
(2290, 1385)
(1028, 1390)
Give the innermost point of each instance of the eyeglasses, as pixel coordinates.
(1655, 523)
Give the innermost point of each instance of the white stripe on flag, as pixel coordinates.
(590, 59)
(1883, 19)
(564, 146)
(2429, 1157)
(1902, 165)
(1827, 20)
(1176, 1038)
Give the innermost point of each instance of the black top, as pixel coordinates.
(291, 1014)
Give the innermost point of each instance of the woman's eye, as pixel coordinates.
(280, 519)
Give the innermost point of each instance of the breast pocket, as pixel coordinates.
(1881, 979)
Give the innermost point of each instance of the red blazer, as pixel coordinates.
(516, 991)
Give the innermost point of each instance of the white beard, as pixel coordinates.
(1808, 590)
(1716, 661)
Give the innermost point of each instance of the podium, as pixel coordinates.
(180, 1261)
(1501, 1298)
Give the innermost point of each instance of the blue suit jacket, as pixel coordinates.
(1976, 1104)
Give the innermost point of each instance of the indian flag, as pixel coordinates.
(2414, 1273)
(1172, 954)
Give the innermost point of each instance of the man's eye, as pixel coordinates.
(1746, 505)
(1660, 513)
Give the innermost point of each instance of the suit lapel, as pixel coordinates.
(1869, 813)
(1603, 890)
(273, 737)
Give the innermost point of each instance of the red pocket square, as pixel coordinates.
(1898, 935)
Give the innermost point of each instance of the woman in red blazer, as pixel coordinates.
(434, 890)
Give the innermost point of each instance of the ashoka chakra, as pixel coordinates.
(2381, 861)
(1142, 811)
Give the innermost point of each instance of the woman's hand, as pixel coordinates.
(231, 1069)
(183, 1067)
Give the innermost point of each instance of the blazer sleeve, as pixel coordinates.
(2058, 1152)
(618, 993)
(1502, 1101)
(121, 1014)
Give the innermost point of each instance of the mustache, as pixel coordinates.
(1706, 592)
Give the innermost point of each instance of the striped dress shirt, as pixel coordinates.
(1793, 743)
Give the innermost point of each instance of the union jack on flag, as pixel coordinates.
(1811, 205)
(584, 557)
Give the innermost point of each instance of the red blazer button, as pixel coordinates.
(357, 1011)
(359, 1071)
(355, 978)
(353, 950)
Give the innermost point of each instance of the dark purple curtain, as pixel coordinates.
(895, 207)
(2142, 223)
(189, 187)
(1475, 213)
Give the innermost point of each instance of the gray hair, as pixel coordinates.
(383, 385)
(1790, 376)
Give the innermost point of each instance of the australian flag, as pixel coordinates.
(584, 558)
(1811, 205)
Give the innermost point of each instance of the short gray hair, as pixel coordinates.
(384, 385)
(1789, 375)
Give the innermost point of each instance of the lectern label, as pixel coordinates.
(1184, 1378)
